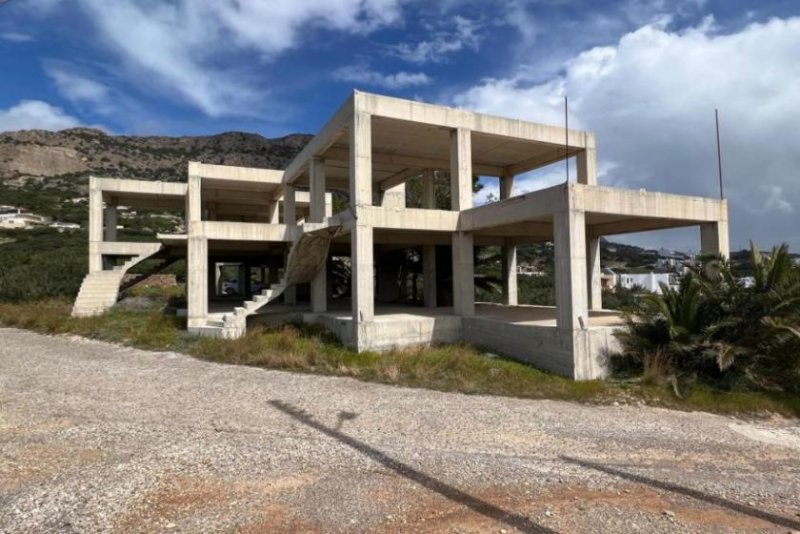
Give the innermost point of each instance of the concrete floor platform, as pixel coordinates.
(526, 333)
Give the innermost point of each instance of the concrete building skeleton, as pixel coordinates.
(282, 222)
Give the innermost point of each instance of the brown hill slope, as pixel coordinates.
(34, 155)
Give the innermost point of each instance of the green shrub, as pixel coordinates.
(716, 329)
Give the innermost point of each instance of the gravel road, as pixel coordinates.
(100, 438)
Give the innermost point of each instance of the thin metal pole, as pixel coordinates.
(566, 134)
(719, 156)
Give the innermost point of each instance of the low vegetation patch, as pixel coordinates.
(301, 348)
(722, 330)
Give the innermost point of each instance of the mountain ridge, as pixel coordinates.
(41, 155)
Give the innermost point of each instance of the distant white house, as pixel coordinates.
(649, 281)
(65, 225)
(22, 219)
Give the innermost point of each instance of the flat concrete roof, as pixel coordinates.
(409, 136)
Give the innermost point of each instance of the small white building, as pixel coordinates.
(65, 225)
(649, 281)
(22, 219)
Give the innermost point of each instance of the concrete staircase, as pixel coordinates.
(306, 257)
(100, 290)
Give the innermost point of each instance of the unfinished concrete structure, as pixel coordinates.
(282, 224)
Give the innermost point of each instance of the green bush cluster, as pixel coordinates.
(717, 329)
(41, 263)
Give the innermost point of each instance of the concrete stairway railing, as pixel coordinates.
(306, 257)
(100, 290)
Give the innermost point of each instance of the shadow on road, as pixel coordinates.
(689, 492)
(484, 508)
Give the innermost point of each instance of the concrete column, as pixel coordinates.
(197, 280)
(110, 220)
(361, 237)
(429, 275)
(463, 274)
(217, 277)
(509, 266)
(194, 201)
(594, 273)
(361, 160)
(395, 197)
(289, 205)
(586, 162)
(461, 169)
(569, 228)
(273, 213)
(196, 256)
(95, 226)
(428, 190)
(714, 238)
(316, 180)
(319, 291)
(508, 252)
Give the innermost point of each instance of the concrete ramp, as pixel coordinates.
(100, 289)
(306, 258)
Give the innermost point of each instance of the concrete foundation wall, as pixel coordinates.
(547, 348)
(386, 335)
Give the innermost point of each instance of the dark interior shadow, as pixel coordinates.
(489, 510)
(689, 492)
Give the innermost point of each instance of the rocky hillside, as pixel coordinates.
(39, 156)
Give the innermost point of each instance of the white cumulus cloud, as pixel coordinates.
(35, 115)
(651, 100)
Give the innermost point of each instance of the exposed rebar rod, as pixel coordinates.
(719, 156)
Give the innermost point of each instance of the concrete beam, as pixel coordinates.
(522, 208)
(327, 136)
(239, 231)
(140, 187)
(235, 174)
(537, 162)
(407, 110)
(394, 198)
(398, 178)
(646, 204)
(410, 219)
(383, 159)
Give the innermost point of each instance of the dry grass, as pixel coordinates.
(459, 367)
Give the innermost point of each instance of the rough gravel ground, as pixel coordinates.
(100, 438)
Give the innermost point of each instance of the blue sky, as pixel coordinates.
(645, 75)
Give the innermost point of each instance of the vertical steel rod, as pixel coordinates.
(719, 156)
(566, 134)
